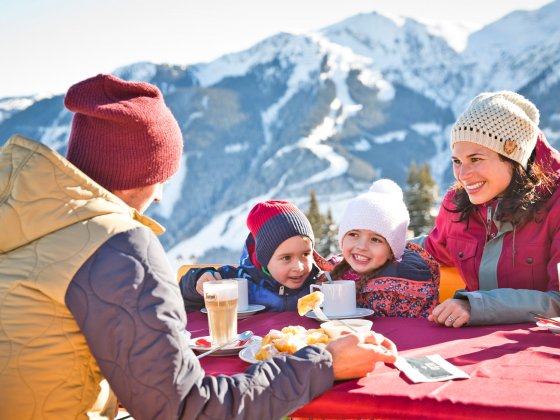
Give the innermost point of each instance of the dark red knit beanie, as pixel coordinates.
(123, 135)
(272, 222)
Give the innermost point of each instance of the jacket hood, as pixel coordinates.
(41, 192)
(547, 157)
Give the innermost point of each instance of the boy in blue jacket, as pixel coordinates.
(277, 260)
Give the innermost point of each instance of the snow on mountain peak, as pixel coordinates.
(10, 105)
(455, 34)
(380, 23)
(516, 32)
(291, 47)
(510, 52)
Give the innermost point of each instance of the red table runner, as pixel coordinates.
(515, 371)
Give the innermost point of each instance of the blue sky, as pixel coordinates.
(49, 45)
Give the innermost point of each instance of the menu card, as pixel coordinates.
(433, 368)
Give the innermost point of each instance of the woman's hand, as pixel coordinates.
(355, 355)
(208, 276)
(452, 313)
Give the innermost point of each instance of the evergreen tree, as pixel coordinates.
(329, 236)
(314, 214)
(324, 228)
(420, 195)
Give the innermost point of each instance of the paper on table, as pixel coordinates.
(432, 368)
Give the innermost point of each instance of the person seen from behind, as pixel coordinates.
(91, 310)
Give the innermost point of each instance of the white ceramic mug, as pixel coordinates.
(340, 297)
(243, 294)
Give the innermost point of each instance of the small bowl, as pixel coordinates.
(335, 328)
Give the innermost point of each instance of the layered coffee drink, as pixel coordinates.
(220, 298)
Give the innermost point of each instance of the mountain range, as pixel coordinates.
(328, 111)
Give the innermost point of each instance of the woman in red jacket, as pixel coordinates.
(500, 223)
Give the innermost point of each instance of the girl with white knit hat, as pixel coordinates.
(500, 223)
(393, 278)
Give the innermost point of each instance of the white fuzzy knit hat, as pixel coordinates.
(505, 122)
(381, 210)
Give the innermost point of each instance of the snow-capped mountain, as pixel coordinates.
(515, 51)
(404, 51)
(13, 105)
(328, 111)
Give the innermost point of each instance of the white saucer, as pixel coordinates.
(359, 313)
(245, 313)
(230, 350)
(247, 354)
(552, 328)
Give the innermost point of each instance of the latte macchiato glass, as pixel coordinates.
(220, 299)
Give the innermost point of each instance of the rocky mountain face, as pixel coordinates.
(328, 111)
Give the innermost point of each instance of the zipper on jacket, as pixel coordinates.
(488, 223)
(282, 292)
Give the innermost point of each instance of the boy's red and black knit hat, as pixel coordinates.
(272, 222)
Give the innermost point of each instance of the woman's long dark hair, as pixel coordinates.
(522, 200)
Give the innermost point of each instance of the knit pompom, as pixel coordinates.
(387, 186)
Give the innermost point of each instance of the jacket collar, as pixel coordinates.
(44, 193)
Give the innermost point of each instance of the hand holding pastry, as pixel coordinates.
(309, 302)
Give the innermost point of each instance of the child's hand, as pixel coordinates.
(208, 276)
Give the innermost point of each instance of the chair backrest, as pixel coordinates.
(450, 281)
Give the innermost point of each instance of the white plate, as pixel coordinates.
(251, 310)
(552, 328)
(248, 353)
(230, 350)
(359, 313)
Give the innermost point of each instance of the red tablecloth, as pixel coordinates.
(515, 371)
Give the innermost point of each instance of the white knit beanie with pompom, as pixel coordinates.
(381, 210)
(505, 122)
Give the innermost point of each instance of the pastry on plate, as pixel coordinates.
(289, 340)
